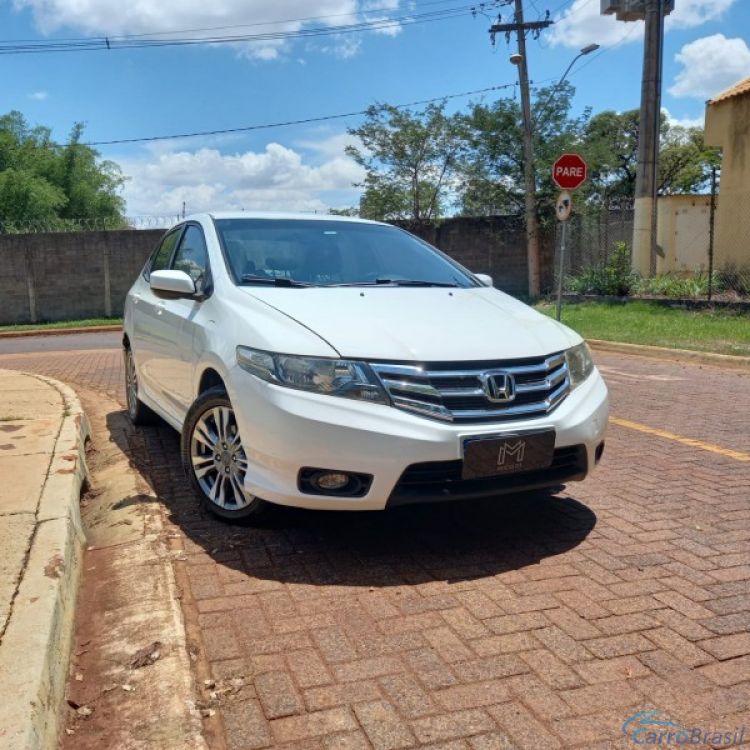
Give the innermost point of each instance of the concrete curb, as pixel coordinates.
(680, 355)
(35, 649)
(59, 331)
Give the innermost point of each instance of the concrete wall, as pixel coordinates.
(59, 276)
(65, 276)
(728, 126)
(683, 233)
(495, 245)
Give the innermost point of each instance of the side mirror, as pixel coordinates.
(484, 279)
(177, 283)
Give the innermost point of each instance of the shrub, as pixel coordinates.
(676, 286)
(731, 278)
(615, 278)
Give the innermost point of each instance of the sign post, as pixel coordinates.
(569, 173)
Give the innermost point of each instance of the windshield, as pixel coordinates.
(298, 252)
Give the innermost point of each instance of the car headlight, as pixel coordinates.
(330, 377)
(580, 364)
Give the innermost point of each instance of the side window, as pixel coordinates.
(192, 255)
(164, 253)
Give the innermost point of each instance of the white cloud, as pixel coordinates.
(684, 122)
(231, 17)
(330, 146)
(277, 178)
(583, 24)
(710, 65)
(38, 96)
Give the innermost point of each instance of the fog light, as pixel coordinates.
(320, 481)
(332, 481)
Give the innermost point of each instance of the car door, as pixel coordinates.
(152, 341)
(183, 318)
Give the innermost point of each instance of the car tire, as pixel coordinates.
(214, 458)
(138, 412)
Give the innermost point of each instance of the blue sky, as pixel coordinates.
(132, 93)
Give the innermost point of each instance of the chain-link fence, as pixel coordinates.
(703, 251)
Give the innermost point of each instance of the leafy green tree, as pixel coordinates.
(56, 184)
(25, 196)
(492, 168)
(610, 144)
(685, 162)
(410, 160)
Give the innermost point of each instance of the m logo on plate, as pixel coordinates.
(510, 450)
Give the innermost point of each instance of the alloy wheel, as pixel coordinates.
(131, 383)
(218, 459)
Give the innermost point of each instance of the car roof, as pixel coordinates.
(287, 216)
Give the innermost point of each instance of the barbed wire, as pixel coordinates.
(88, 224)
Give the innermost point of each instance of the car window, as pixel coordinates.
(322, 252)
(164, 253)
(192, 255)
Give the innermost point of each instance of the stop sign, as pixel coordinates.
(569, 172)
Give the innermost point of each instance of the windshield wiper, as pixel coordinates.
(272, 281)
(400, 282)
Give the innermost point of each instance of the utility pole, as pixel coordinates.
(533, 254)
(649, 126)
(649, 131)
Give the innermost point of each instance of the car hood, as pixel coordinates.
(420, 324)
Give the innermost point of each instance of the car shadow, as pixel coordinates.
(400, 546)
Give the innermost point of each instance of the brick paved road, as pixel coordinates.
(534, 624)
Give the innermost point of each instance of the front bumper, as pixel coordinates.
(284, 430)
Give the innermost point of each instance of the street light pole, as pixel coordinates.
(587, 50)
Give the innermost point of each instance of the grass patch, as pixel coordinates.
(87, 323)
(721, 331)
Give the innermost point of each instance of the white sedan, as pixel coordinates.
(335, 363)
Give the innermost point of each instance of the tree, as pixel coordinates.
(41, 181)
(610, 143)
(685, 162)
(492, 169)
(410, 160)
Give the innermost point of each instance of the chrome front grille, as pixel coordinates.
(457, 392)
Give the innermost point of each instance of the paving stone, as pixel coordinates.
(452, 725)
(727, 647)
(475, 695)
(729, 672)
(317, 724)
(383, 727)
(405, 692)
(490, 626)
(522, 727)
(278, 695)
(245, 725)
(611, 670)
(551, 670)
(593, 698)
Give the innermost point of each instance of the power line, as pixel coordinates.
(166, 32)
(301, 121)
(270, 125)
(137, 42)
